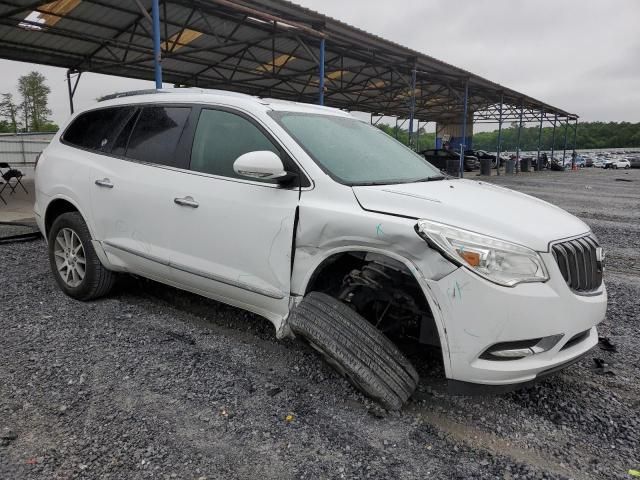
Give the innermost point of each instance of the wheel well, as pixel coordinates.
(54, 210)
(367, 282)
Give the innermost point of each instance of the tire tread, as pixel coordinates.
(367, 357)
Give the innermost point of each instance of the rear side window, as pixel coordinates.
(96, 130)
(120, 144)
(220, 138)
(156, 134)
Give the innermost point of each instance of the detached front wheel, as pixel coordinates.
(356, 349)
(74, 263)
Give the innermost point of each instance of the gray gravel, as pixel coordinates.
(156, 383)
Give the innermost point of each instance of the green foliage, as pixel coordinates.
(34, 107)
(590, 135)
(425, 140)
(49, 127)
(35, 98)
(6, 127)
(9, 110)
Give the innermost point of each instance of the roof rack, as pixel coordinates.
(132, 93)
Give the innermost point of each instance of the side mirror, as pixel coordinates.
(263, 165)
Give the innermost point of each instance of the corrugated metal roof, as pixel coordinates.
(240, 46)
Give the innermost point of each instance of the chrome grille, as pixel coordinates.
(580, 262)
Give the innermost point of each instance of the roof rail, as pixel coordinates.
(132, 93)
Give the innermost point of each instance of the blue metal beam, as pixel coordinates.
(412, 107)
(540, 138)
(553, 141)
(566, 135)
(322, 61)
(464, 127)
(157, 55)
(499, 136)
(519, 136)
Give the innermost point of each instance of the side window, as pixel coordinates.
(156, 134)
(220, 138)
(96, 130)
(120, 143)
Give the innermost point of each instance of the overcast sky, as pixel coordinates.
(579, 55)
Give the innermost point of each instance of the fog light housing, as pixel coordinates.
(517, 350)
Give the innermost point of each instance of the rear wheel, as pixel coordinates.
(74, 263)
(356, 349)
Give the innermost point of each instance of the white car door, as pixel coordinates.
(231, 238)
(131, 199)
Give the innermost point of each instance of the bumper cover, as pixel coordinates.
(477, 314)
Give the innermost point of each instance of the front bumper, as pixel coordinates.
(477, 314)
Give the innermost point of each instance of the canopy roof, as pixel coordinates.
(267, 48)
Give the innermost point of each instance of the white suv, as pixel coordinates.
(325, 226)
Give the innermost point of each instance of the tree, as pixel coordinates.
(9, 110)
(35, 98)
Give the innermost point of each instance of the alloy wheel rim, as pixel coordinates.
(70, 257)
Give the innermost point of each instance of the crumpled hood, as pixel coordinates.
(481, 207)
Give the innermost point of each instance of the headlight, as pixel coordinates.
(501, 262)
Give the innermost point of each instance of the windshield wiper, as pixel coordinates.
(435, 178)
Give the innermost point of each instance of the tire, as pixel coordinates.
(96, 281)
(356, 349)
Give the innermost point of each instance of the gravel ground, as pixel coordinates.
(156, 383)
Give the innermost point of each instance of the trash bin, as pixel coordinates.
(453, 167)
(510, 166)
(485, 166)
(524, 165)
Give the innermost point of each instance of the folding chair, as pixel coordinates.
(7, 173)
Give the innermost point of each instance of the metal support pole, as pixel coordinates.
(464, 127)
(157, 56)
(412, 107)
(519, 135)
(499, 136)
(540, 139)
(418, 137)
(322, 51)
(575, 135)
(553, 141)
(72, 89)
(396, 128)
(566, 133)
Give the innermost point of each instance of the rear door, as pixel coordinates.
(231, 237)
(132, 195)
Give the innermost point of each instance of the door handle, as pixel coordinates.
(105, 182)
(186, 202)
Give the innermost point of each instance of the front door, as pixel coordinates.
(231, 238)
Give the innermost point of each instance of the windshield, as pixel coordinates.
(353, 152)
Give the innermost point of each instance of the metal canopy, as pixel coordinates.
(269, 48)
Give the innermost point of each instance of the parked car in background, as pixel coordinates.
(438, 158)
(634, 162)
(617, 163)
(327, 227)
